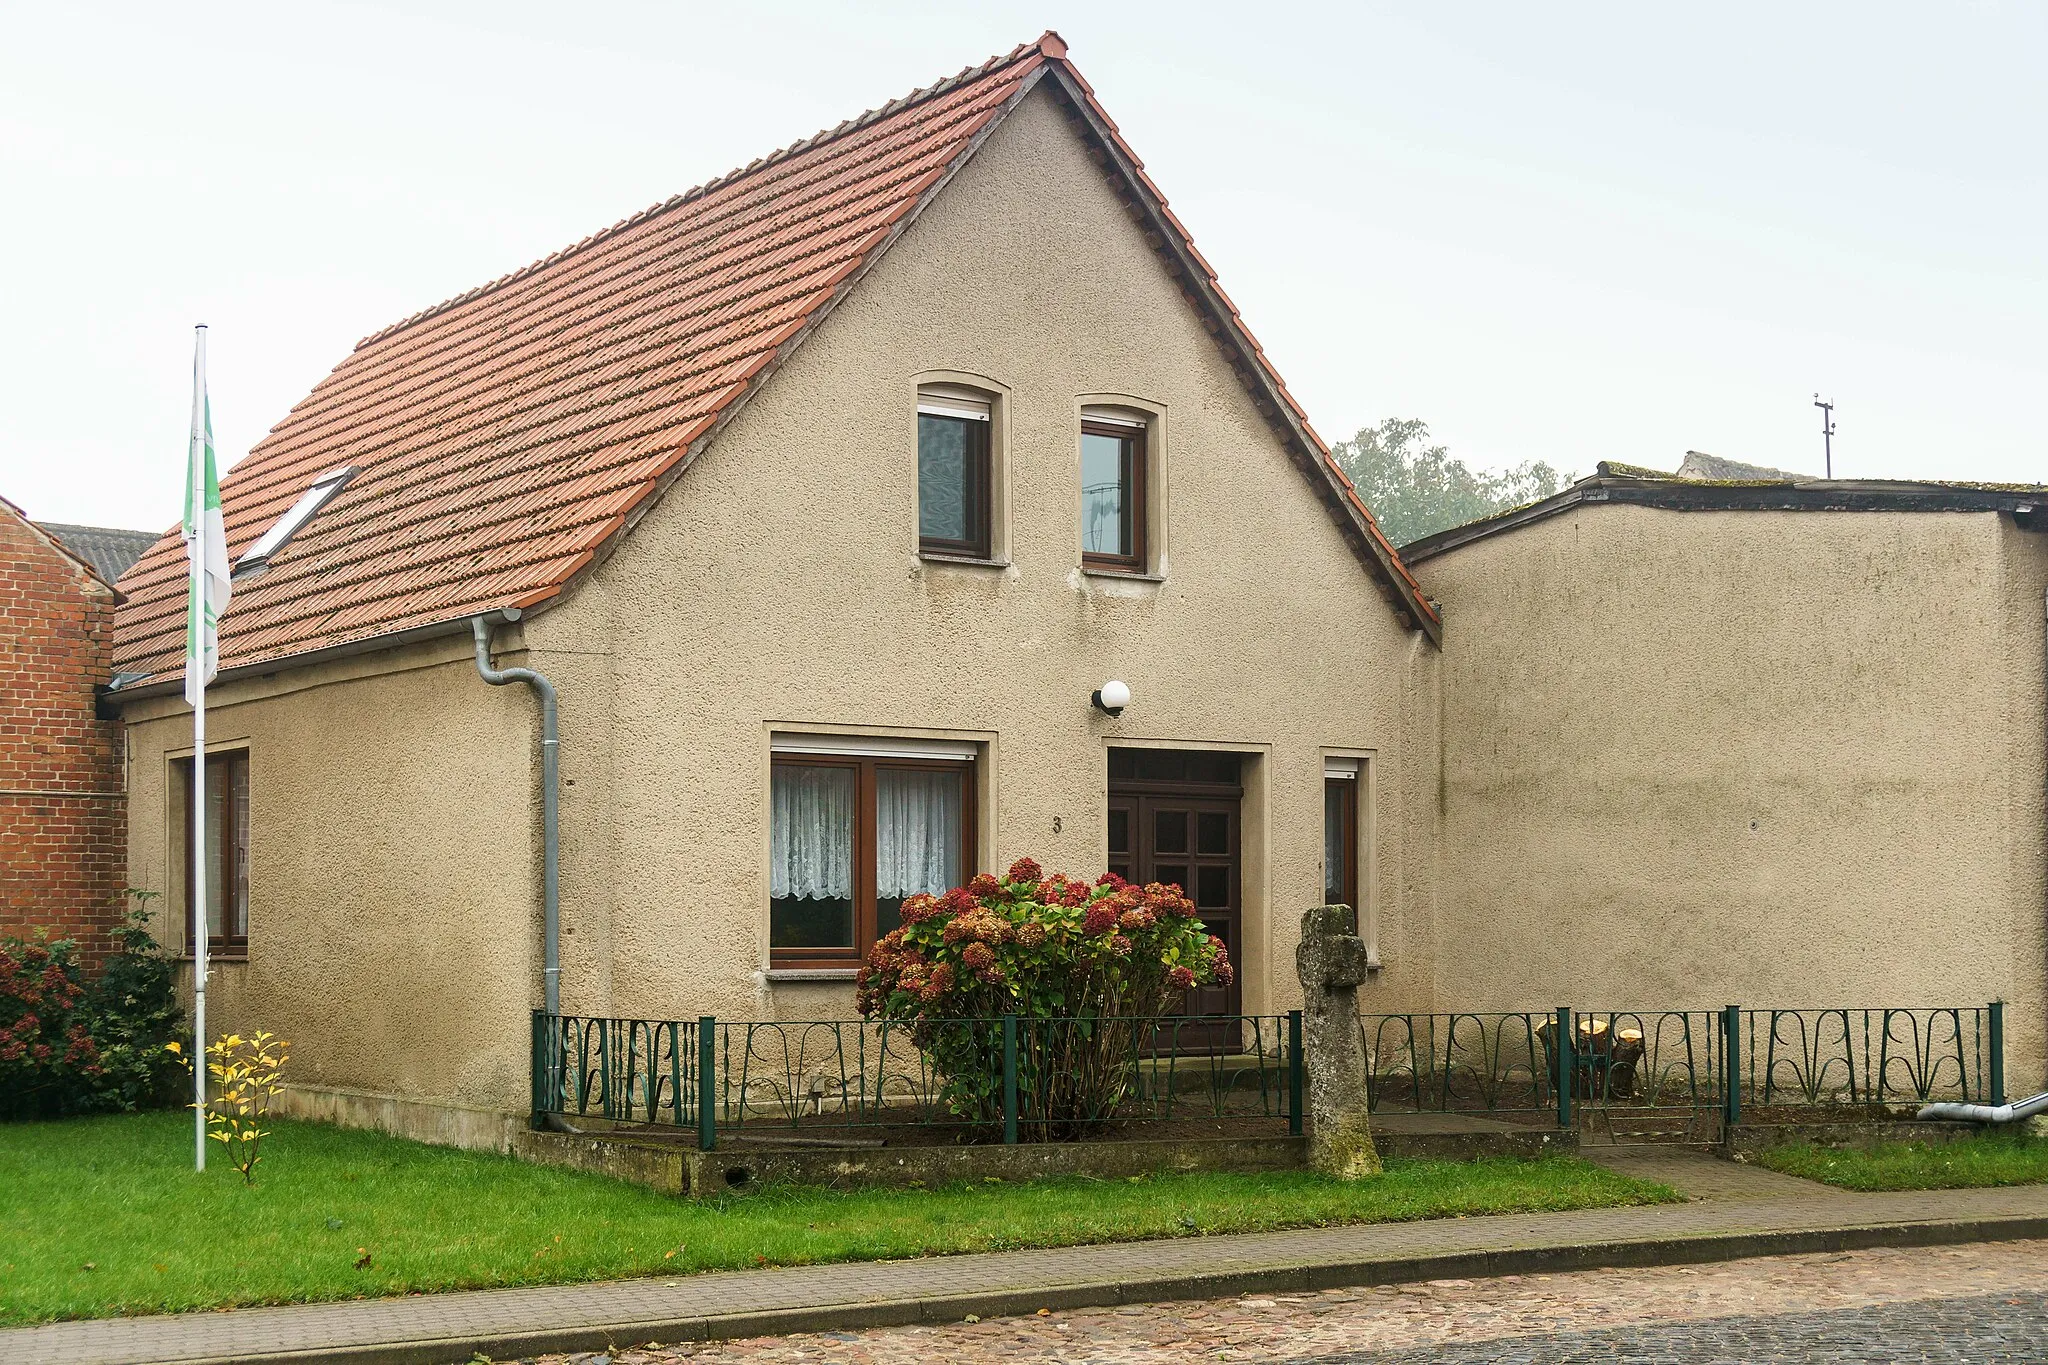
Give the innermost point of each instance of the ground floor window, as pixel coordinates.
(851, 837)
(1340, 831)
(226, 854)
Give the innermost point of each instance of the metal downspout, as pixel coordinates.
(1986, 1113)
(550, 823)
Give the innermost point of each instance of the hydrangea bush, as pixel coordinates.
(46, 1052)
(1084, 965)
(69, 1045)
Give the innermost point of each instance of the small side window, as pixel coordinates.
(1113, 509)
(954, 501)
(226, 854)
(1340, 832)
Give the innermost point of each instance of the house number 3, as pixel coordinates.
(1056, 825)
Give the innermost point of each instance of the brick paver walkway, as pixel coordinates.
(1700, 1176)
(508, 1323)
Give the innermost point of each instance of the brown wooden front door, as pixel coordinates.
(1174, 817)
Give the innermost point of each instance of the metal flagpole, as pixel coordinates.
(195, 604)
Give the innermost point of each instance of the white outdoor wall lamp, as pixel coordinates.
(1112, 697)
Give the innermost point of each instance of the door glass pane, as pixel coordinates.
(918, 815)
(1171, 874)
(1212, 833)
(945, 479)
(1212, 887)
(810, 856)
(1104, 469)
(1170, 831)
(1119, 831)
(1336, 854)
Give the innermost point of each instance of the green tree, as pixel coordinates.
(1417, 489)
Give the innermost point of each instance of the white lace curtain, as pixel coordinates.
(810, 838)
(810, 845)
(917, 832)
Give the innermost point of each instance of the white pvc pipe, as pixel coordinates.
(1986, 1113)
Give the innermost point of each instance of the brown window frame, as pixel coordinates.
(980, 498)
(223, 865)
(864, 849)
(1347, 879)
(1136, 508)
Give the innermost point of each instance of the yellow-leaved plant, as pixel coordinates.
(245, 1080)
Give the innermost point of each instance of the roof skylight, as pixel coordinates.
(310, 502)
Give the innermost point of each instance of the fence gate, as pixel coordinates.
(1643, 1076)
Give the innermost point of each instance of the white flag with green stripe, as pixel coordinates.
(206, 541)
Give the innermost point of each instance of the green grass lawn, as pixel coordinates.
(1966, 1163)
(106, 1216)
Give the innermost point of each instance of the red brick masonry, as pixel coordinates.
(63, 810)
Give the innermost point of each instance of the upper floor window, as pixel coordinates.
(1112, 490)
(954, 500)
(226, 853)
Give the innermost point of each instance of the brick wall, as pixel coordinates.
(63, 816)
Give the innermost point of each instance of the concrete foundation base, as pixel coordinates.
(1751, 1138)
(441, 1122)
(673, 1165)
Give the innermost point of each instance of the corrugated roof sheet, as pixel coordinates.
(504, 436)
(110, 550)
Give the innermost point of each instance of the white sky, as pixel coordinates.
(1569, 233)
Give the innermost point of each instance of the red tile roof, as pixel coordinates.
(504, 438)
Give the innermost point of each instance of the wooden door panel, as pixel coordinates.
(1192, 842)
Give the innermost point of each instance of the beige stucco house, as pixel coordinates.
(1763, 740)
(828, 497)
(831, 498)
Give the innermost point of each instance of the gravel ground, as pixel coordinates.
(1981, 1303)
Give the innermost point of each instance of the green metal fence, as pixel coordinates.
(1015, 1079)
(1008, 1078)
(1590, 1063)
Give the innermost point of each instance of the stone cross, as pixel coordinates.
(1331, 961)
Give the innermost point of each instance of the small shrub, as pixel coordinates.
(131, 1013)
(47, 1057)
(72, 1046)
(245, 1080)
(1084, 966)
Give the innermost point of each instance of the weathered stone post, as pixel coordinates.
(1331, 963)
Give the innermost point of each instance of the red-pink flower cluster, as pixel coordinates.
(978, 926)
(35, 982)
(1057, 890)
(962, 941)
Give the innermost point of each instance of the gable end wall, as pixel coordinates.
(62, 803)
(777, 586)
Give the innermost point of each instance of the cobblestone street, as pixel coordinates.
(1980, 1303)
